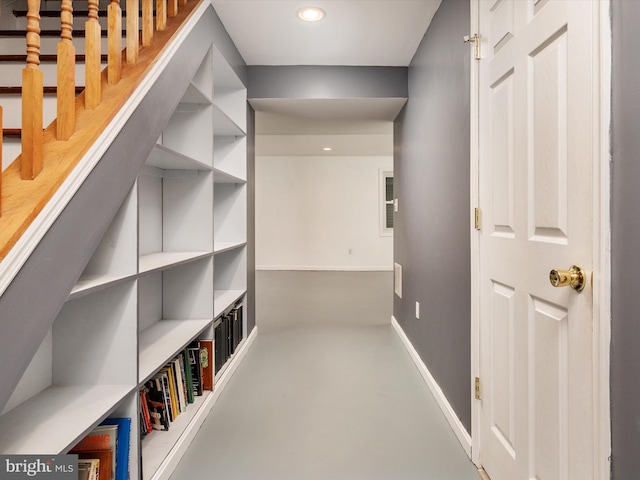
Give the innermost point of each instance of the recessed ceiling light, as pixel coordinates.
(311, 14)
(327, 149)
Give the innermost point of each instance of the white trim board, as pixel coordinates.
(461, 433)
(175, 455)
(324, 268)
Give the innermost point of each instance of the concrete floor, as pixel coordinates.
(327, 392)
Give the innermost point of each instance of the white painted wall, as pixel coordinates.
(320, 213)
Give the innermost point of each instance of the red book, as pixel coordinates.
(206, 360)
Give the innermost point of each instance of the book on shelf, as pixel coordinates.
(193, 351)
(88, 469)
(183, 372)
(206, 363)
(219, 344)
(188, 375)
(146, 426)
(177, 377)
(105, 458)
(157, 405)
(123, 445)
(173, 394)
(101, 438)
(164, 382)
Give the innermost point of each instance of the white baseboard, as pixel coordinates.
(463, 436)
(173, 458)
(317, 268)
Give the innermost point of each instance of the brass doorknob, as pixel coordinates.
(574, 278)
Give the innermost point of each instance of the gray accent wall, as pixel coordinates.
(327, 82)
(227, 48)
(251, 217)
(432, 239)
(625, 308)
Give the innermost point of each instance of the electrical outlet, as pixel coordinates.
(418, 310)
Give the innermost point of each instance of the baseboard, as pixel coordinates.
(324, 268)
(175, 455)
(463, 436)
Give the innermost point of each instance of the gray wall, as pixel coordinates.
(251, 217)
(625, 344)
(327, 82)
(432, 225)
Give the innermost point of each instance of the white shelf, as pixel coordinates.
(54, 420)
(224, 299)
(157, 445)
(221, 247)
(222, 177)
(167, 159)
(163, 260)
(230, 155)
(224, 125)
(163, 341)
(92, 283)
(195, 96)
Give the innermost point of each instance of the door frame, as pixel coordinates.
(601, 278)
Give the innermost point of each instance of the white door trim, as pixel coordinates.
(475, 236)
(601, 243)
(602, 250)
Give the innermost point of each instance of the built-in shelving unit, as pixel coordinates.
(173, 260)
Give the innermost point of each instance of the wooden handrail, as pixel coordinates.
(77, 125)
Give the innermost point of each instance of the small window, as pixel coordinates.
(386, 203)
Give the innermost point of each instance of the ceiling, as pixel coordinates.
(354, 32)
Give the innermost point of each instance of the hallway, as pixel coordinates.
(327, 391)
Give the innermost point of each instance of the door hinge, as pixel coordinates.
(476, 44)
(478, 219)
(478, 396)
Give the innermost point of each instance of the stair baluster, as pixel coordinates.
(133, 35)
(172, 8)
(161, 15)
(147, 22)
(92, 92)
(66, 121)
(1, 161)
(32, 93)
(114, 42)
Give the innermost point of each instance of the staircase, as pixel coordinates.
(51, 224)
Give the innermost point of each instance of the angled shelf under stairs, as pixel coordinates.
(172, 262)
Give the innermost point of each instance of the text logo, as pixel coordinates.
(49, 467)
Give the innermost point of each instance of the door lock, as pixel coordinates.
(574, 278)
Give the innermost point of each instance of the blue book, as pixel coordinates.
(122, 445)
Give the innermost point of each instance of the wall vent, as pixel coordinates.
(397, 279)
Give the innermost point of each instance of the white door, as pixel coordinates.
(538, 101)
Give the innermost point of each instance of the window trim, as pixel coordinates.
(383, 202)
